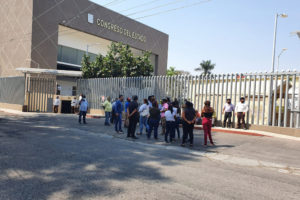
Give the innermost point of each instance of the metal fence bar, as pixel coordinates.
(258, 100)
(264, 99)
(280, 101)
(286, 97)
(274, 102)
(249, 100)
(253, 103)
(293, 101)
(298, 114)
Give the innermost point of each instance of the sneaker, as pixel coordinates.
(121, 131)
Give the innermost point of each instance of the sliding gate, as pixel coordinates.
(39, 94)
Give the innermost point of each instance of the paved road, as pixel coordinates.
(53, 157)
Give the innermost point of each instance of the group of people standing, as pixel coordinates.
(150, 114)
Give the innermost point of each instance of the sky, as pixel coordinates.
(236, 35)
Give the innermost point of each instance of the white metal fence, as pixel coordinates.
(273, 98)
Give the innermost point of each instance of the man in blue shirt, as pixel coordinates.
(83, 109)
(126, 116)
(118, 112)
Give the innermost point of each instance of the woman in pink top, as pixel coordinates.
(164, 108)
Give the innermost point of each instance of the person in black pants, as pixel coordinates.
(188, 121)
(133, 116)
(228, 109)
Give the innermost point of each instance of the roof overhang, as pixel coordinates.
(51, 72)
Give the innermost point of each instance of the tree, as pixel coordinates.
(206, 67)
(173, 72)
(119, 62)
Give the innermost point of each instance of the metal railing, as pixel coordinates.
(273, 98)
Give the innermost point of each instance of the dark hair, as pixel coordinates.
(207, 103)
(120, 96)
(149, 98)
(170, 108)
(164, 100)
(242, 98)
(83, 96)
(135, 98)
(146, 101)
(188, 104)
(228, 99)
(154, 104)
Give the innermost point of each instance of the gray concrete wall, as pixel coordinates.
(74, 14)
(15, 35)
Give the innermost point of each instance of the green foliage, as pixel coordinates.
(119, 62)
(173, 72)
(206, 67)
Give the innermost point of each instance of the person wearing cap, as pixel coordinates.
(241, 109)
(228, 109)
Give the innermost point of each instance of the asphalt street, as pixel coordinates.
(54, 157)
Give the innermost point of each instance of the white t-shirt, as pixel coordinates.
(170, 116)
(74, 102)
(241, 107)
(144, 110)
(56, 102)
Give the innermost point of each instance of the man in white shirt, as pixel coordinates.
(241, 109)
(73, 105)
(56, 104)
(228, 109)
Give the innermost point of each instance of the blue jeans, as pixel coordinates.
(118, 122)
(107, 117)
(82, 114)
(143, 122)
(177, 127)
(170, 130)
(153, 124)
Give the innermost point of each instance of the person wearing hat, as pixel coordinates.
(228, 109)
(241, 110)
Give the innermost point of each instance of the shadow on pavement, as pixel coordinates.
(43, 157)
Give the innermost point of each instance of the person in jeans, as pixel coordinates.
(133, 116)
(228, 109)
(128, 100)
(83, 107)
(56, 104)
(177, 110)
(107, 108)
(207, 113)
(144, 113)
(188, 121)
(154, 119)
(241, 109)
(118, 113)
(170, 124)
(164, 108)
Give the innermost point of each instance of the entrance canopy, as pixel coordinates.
(55, 72)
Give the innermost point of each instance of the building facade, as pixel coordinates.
(55, 34)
